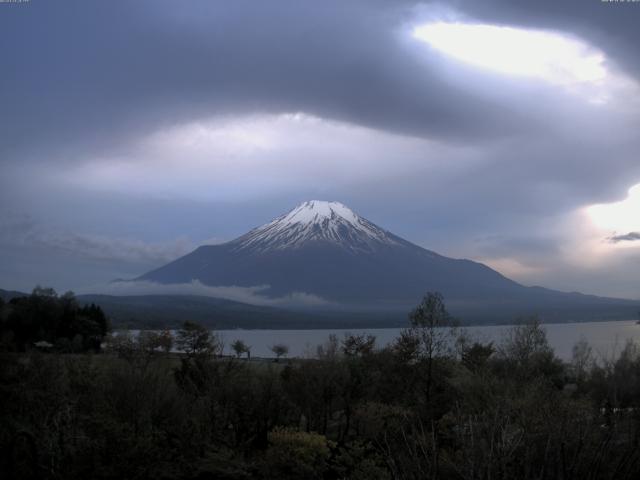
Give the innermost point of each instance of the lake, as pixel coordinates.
(606, 338)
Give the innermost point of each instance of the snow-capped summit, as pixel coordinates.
(317, 221)
(315, 211)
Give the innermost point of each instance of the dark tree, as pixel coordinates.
(240, 348)
(476, 356)
(195, 339)
(280, 350)
(358, 345)
(433, 331)
(44, 317)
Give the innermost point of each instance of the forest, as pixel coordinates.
(435, 404)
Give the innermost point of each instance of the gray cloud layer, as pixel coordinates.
(101, 69)
(25, 232)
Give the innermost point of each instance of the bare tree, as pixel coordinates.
(329, 350)
(525, 341)
(358, 345)
(582, 359)
(240, 348)
(433, 331)
(195, 339)
(280, 350)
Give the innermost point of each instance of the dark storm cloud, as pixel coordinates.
(80, 73)
(627, 237)
(90, 76)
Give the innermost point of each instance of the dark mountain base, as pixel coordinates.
(169, 311)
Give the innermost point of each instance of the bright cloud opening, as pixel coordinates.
(620, 217)
(538, 54)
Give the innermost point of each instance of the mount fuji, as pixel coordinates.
(325, 250)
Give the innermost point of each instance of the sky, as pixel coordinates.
(504, 131)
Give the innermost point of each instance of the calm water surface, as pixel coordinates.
(606, 338)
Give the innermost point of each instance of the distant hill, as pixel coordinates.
(169, 311)
(7, 295)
